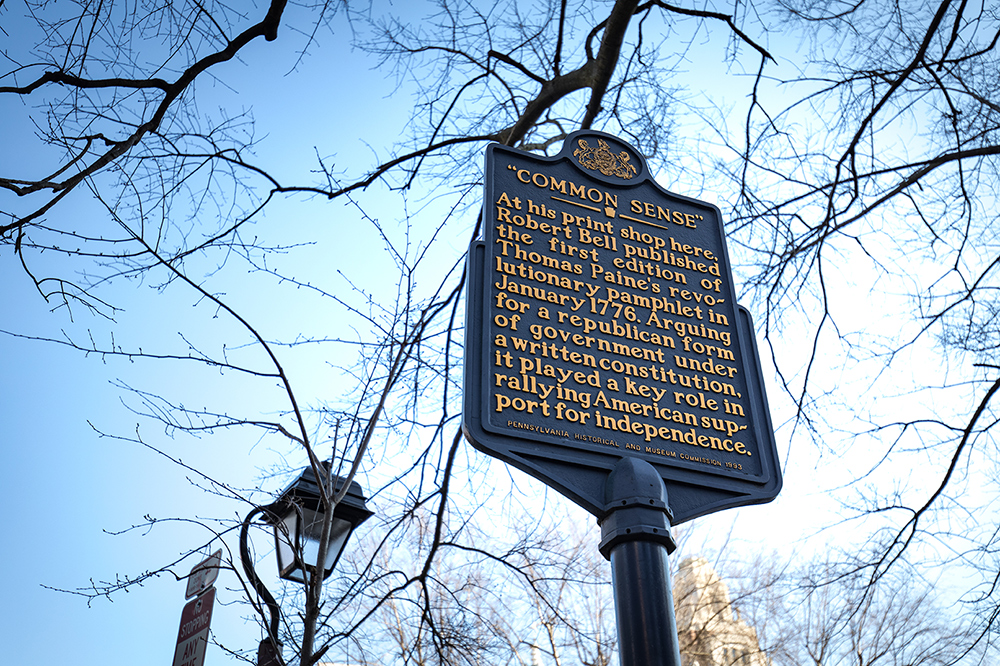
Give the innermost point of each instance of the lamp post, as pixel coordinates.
(298, 518)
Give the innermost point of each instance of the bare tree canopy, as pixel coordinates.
(794, 612)
(867, 205)
(315, 305)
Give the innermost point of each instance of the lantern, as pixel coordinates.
(298, 526)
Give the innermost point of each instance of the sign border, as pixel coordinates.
(579, 469)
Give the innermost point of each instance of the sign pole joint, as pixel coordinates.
(636, 507)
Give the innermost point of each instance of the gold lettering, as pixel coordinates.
(588, 312)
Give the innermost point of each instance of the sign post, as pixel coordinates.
(635, 537)
(606, 356)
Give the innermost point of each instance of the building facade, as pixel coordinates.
(710, 632)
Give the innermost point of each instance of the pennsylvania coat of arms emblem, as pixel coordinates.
(603, 160)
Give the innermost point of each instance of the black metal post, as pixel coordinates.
(269, 649)
(635, 537)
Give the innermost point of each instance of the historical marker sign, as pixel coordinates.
(602, 323)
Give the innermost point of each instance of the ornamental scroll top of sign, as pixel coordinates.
(602, 323)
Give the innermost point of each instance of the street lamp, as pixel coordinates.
(297, 516)
(298, 520)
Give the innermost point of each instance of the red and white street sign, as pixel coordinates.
(192, 637)
(203, 574)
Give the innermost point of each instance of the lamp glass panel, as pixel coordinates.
(308, 533)
(312, 533)
(284, 536)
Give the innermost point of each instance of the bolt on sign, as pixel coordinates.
(602, 322)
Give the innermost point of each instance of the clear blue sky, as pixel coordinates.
(67, 487)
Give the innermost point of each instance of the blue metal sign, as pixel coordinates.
(602, 323)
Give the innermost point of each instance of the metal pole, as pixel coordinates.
(635, 537)
(269, 649)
